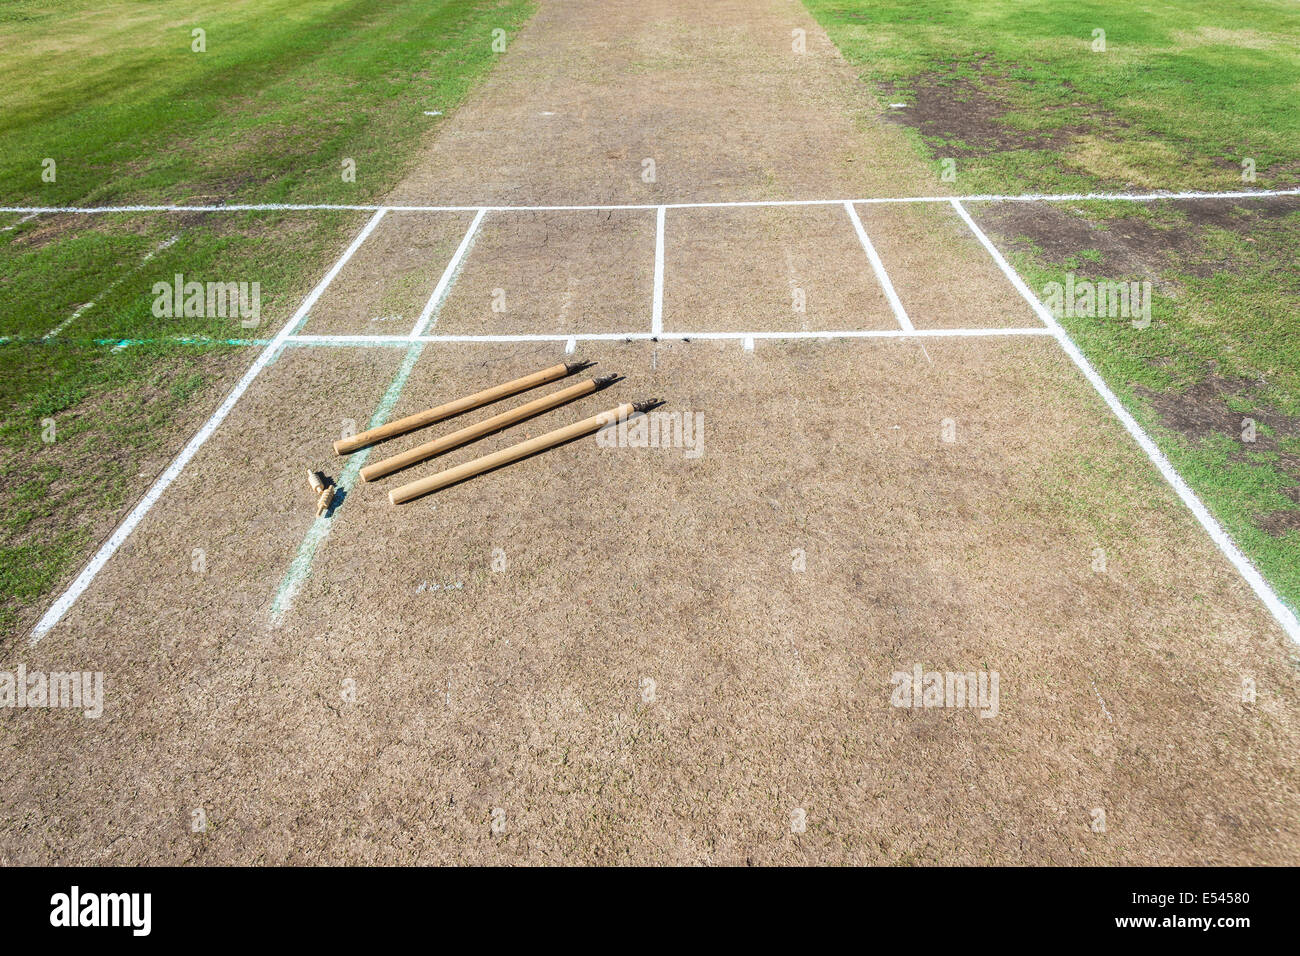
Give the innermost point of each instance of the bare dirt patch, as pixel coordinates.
(943, 276)
(555, 272)
(524, 689)
(1203, 410)
(969, 118)
(771, 269)
(1130, 245)
(1280, 522)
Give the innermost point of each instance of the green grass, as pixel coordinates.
(284, 92)
(1234, 325)
(1181, 95)
(112, 92)
(117, 410)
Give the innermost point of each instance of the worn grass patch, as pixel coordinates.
(1022, 95)
(1029, 96)
(1215, 377)
(115, 95)
(88, 443)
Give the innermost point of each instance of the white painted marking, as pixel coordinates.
(879, 268)
(1100, 701)
(1281, 613)
(571, 345)
(657, 307)
(865, 201)
(300, 567)
(70, 319)
(448, 276)
(367, 340)
(433, 112)
(15, 225)
(109, 548)
(111, 286)
(749, 343)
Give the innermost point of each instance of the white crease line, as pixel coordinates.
(1283, 614)
(107, 550)
(111, 286)
(657, 308)
(879, 268)
(1032, 330)
(979, 197)
(448, 276)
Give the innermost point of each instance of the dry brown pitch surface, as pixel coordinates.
(527, 690)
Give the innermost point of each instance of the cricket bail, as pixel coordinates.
(577, 366)
(646, 405)
(604, 381)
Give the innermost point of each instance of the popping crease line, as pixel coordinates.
(567, 337)
(570, 339)
(489, 207)
(1284, 616)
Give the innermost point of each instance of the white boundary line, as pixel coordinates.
(107, 550)
(982, 197)
(879, 268)
(448, 274)
(657, 308)
(1283, 614)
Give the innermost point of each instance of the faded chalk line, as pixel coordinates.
(300, 567)
(109, 548)
(14, 225)
(166, 243)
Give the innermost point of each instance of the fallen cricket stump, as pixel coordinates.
(506, 456)
(465, 435)
(429, 416)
